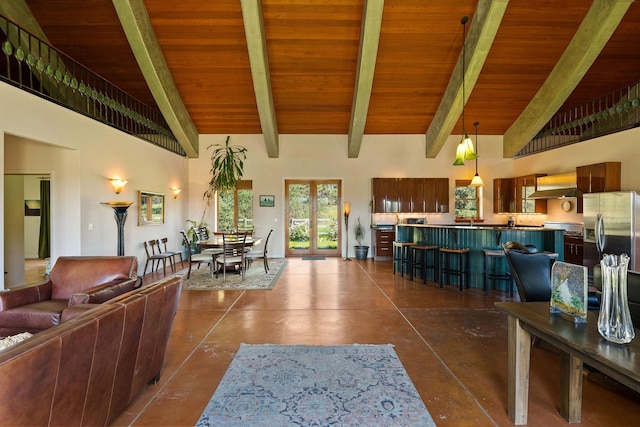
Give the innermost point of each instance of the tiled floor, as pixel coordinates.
(453, 345)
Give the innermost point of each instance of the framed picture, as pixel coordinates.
(150, 208)
(267, 201)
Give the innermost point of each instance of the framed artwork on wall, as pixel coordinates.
(150, 208)
(267, 201)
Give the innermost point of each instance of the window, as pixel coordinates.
(467, 200)
(235, 208)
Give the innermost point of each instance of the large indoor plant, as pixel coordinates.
(227, 167)
(360, 250)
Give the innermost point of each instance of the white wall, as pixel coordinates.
(325, 156)
(80, 154)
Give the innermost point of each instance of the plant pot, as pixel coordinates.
(361, 251)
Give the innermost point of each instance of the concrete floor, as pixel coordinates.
(452, 344)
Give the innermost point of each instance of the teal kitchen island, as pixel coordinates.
(481, 237)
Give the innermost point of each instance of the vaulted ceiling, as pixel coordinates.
(349, 67)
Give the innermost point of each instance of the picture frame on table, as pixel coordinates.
(267, 201)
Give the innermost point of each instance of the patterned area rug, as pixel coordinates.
(348, 385)
(255, 278)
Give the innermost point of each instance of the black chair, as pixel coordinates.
(530, 270)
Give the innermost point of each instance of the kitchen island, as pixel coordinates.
(480, 237)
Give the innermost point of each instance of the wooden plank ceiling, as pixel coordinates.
(313, 48)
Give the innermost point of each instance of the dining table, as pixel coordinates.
(216, 242)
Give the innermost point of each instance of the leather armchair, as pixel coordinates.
(530, 270)
(73, 280)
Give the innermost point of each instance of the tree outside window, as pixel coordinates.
(467, 200)
(235, 208)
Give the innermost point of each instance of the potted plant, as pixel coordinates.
(360, 250)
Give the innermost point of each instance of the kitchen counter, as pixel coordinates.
(480, 237)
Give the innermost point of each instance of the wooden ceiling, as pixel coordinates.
(313, 49)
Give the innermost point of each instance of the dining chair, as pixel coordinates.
(195, 257)
(253, 255)
(153, 257)
(233, 254)
(174, 254)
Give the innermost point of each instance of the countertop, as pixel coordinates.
(482, 227)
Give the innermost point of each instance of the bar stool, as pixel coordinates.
(490, 257)
(420, 261)
(460, 269)
(401, 256)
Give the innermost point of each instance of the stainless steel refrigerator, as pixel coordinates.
(611, 227)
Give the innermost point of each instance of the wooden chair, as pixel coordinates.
(153, 257)
(174, 254)
(253, 255)
(203, 234)
(233, 254)
(197, 258)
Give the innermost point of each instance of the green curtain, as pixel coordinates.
(44, 245)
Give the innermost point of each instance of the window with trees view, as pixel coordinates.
(467, 200)
(235, 208)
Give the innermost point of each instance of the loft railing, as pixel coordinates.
(610, 113)
(32, 65)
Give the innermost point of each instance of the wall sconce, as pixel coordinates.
(118, 184)
(175, 192)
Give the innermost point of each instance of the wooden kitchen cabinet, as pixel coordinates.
(525, 186)
(411, 194)
(573, 249)
(504, 195)
(384, 245)
(511, 195)
(385, 195)
(597, 178)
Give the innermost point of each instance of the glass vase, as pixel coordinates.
(614, 320)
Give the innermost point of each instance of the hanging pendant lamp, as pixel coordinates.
(477, 181)
(465, 149)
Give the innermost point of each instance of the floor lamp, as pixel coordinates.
(346, 210)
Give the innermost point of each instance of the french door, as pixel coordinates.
(312, 217)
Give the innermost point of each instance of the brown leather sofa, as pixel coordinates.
(73, 280)
(88, 369)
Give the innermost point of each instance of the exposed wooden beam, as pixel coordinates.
(595, 30)
(367, 56)
(483, 29)
(19, 12)
(142, 39)
(259, 60)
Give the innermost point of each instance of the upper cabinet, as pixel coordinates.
(511, 195)
(385, 195)
(598, 178)
(504, 195)
(410, 195)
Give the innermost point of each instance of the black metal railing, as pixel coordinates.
(610, 113)
(32, 65)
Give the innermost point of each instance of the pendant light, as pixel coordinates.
(465, 148)
(477, 181)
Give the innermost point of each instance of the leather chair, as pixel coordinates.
(530, 270)
(73, 280)
(633, 292)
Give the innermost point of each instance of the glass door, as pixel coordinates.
(312, 217)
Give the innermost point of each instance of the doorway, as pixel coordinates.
(312, 217)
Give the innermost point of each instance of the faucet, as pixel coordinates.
(471, 221)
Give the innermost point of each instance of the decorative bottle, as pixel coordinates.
(614, 320)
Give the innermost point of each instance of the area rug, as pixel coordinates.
(347, 385)
(255, 278)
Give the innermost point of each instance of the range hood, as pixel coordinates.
(556, 187)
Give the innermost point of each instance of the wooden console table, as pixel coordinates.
(579, 343)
